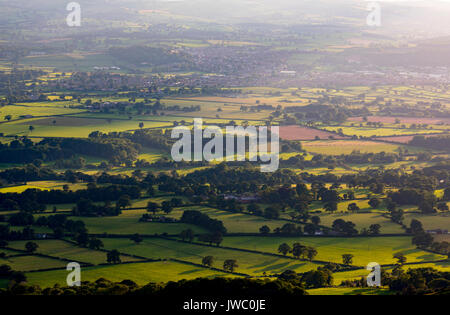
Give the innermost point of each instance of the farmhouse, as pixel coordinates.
(437, 231)
(243, 199)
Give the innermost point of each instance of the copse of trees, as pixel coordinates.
(420, 281)
(6, 234)
(6, 272)
(214, 238)
(300, 251)
(113, 257)
(230, 265)
(326, 110)
(320, 278)
(425, 200)
(201, 219)
(60, 224)
(333, 161)
(344, 227)
(208, 261)
(347, 259)
(417, 281)
(33, 200)
(435, 142)
(289, 229)
(23, 150)
(31, 247)
(86, 208)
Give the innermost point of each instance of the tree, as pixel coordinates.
(353, 207)
(95, 243)
(206, 238)
(166, 207)
(264, 230)
(375, 229)
(113, 257)
(401, 258)
(137, 239)
(124, 201)
(152, 207)
(208, 261)
(446, 194)
(253, 208)
(298, 250)
(344, 227)
(141, 125)
(310, 229)
(331, 206)
(416, 227)
(318, 278)
(176, 202)
(443, 207)
(374, 203)
(82, 238)
(390, 205)
(8, 117)
(217, 238)
(423, 240)
(271, 213)
(315, 220)
(397, 216)
(187, 235)
(347, 259)
(351, 195)
(426, 207)
(151, 191)
(18, 277)
(31, 128)
(284, 249)
(31, 247)
(311, 252)
(230, 265)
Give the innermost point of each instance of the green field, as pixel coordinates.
(364, 249)
(43, 185)
(151, 155)
(49, 109)
(363, 220)
(141, 273)
(69, 62)
(379, 132)
(234, 222)
(28, 263)
(128, 223)
(62, 249)
(249, 263)
(363, 273)
(430, 221)
(72, 127)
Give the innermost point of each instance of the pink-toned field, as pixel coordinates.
(403, 120)
(305, 133)
(398, 139)
(404, 139)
